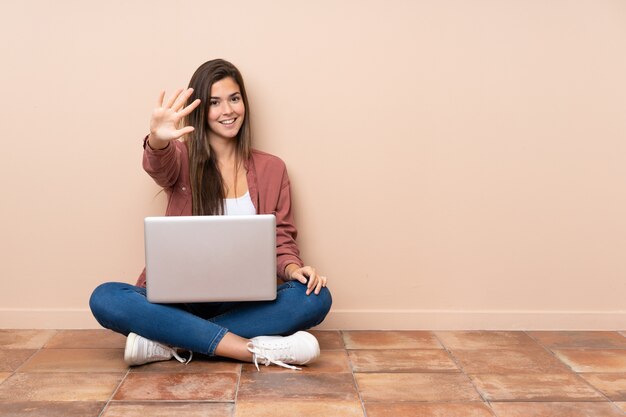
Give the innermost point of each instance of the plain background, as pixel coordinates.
(455, 164)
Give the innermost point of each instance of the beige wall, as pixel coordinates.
(455, 164)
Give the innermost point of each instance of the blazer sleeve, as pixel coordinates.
(287, 251)
(163, 165)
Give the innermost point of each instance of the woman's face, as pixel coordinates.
(226, 109)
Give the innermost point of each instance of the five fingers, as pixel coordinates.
(172, 112)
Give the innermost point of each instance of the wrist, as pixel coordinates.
(156, 144)
(289, 270)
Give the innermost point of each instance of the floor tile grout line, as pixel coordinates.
(616, 407)
(167, 401)
(552, 400)
(233, 412)
(343, 341)
(584, 381)
(56, 332)
(393, 348)
(527, 332)
(26, 361)
(491, 409)
(14, 371)
(106, 405)
(612, 405)
(538, 343)
(36, 351)
(576, 374)
(354, 381)
(458, 364)
(548, 350)
(82, 348)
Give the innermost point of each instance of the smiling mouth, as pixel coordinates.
(228, 121)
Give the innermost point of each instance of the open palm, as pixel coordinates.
(165, 121)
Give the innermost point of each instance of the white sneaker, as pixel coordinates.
(300, 348)
(140, 350)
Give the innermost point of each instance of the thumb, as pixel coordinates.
(184, 131)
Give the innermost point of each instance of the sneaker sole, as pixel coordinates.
(129, 350)
(314, 342)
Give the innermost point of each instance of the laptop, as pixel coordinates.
(210, 258)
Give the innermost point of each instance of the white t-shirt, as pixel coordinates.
(239, 206)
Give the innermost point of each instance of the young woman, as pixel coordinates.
(201, 154)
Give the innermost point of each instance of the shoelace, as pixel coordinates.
(181, 359)
(262, 353)
(158, 349)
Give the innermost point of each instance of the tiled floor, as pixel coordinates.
(360, 373)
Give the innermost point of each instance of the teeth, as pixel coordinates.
(228, 122)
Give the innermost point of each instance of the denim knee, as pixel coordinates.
(96, 300)
(316, 307)
(324, 302)
(104, 303)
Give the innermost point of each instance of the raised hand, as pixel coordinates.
(164, 124)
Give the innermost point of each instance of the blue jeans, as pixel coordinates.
(199, 327)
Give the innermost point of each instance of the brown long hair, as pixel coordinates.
(207, 185)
